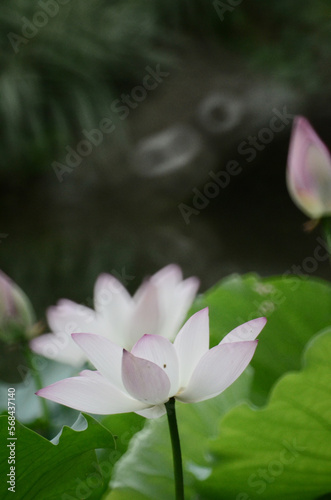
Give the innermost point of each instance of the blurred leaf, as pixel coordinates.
(284, 450)
(296, 308)
(123, 427)
(66, 468)
(126, 494)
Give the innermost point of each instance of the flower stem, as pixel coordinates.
(176, 451)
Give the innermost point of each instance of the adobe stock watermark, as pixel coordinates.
(253, 144)
(300, 272)
(122, 108)
(222, 7)
(259, 481)
(273, 297)
(249, 149)
(201, 199)
(31, 27)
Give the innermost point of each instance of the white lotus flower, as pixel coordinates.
(159, 307)
(156, 370)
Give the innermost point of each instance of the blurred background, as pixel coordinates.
(118, 116)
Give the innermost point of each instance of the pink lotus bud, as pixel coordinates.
(309, 171)
(16, 313)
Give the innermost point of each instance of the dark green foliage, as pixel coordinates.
(62, 77)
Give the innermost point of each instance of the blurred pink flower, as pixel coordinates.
(309, 171)
(159, 307)
(156, 370)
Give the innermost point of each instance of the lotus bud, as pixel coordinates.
(16, 312)
(309, 171)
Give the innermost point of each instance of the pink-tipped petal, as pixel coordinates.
(113, 305)
(64, 319)
(68, 317)
(175, 304)
(153, 412)
(144, 380)
(145, 318)
(161, 352)
(175, 298)
(91, 394)
(103, 354)
(217, 370)
(187, 291)
(309, 170)
(167, 277)
(59, 347)
(166, 282)
(191, 343)
(108, 290)
(246, 331)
